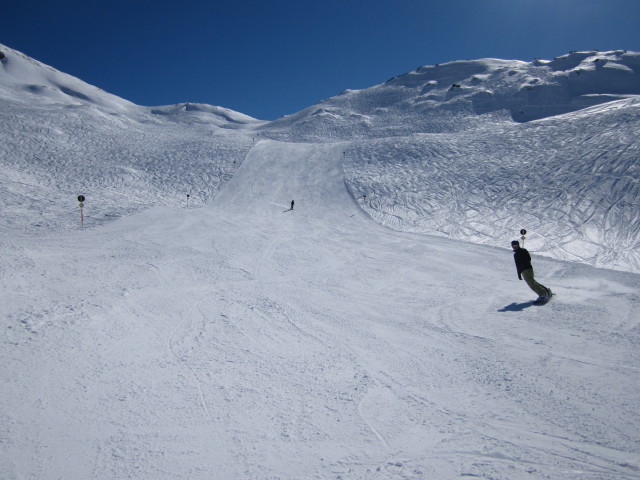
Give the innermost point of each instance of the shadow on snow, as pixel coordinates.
(516, 307)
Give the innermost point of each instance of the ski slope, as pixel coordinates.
(571, 181)
(234, 338)
(445, 150)
(242, 340)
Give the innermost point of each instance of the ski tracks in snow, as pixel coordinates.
(238, 340)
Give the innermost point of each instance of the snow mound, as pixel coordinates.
(206, 114)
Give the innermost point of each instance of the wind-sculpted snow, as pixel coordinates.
(459, 95)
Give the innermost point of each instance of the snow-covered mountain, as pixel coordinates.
(224, 335)
(460, 95)
(472, 150)
(477, 150)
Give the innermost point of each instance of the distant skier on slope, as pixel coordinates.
(292, 203)
(525, 270)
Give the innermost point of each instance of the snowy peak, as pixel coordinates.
(457, 95)
(25, 80)
(617, 59)
(448, 74)
(466, 71)
(528, 91)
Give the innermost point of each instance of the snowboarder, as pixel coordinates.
(525, 270)
(292, 202)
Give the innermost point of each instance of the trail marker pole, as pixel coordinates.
(523, 233)
(81, 200)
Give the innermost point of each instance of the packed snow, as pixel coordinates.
(195, 326)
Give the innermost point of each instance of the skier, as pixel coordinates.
(292, 202)
(525, 270)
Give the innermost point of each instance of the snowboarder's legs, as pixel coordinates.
(541, 290)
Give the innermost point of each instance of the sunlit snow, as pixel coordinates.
(196, 327)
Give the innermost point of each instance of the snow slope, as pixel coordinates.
(477, 150)
(242, 339)
(571, 181)
(460, 95)
(121, 157)
(429, 157)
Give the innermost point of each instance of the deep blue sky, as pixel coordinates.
(274, 57)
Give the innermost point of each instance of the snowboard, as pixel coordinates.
(543, 301)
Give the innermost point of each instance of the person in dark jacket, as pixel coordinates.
(525, 270)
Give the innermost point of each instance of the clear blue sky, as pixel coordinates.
(274, 57)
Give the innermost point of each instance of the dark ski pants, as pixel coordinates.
(540, 289)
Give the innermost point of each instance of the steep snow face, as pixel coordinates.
(28, 82)
(471, 150)
(570, 180)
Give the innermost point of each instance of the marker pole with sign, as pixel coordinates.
(81, 200)
(523, 232)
